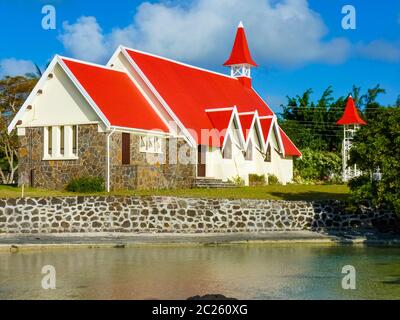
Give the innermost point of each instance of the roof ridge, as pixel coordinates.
(91, 64)
(180, 63)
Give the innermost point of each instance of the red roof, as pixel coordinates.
(240, 52)
(189, 91)
(116, 95)
(288, 145)
(350, 115)
(265, 127)
(246, 120)
(220, 121)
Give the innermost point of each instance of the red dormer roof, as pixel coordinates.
(240, 52)
(350, 115)
(266, 127)
(246, 121)
(117, 96)
(220, 120)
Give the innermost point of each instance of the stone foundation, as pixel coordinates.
(179, 215)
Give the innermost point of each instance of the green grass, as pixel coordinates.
(274, 192)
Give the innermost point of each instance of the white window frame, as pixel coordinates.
(56, 143)
(150, 144)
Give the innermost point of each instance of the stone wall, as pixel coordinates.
(92, 161)
(178, 215)
(57, 174)
(150, 171)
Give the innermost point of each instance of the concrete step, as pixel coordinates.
(209, 183)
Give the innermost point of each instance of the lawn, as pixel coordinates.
(274, 192)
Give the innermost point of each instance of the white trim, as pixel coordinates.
(240, 134)
(59, 124)
(190, 138)
(246, 113)
(140, 131)
(178, 62)
(219, 109)
(91, 64)
(265, 117)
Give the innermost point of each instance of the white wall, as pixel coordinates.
(61, 103)
(217, 167)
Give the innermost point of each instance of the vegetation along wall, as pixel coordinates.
(177, 215)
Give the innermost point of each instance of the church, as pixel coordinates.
(145, 121)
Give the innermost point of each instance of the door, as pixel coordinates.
(201, 161)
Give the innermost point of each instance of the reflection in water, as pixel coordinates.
(244, 272)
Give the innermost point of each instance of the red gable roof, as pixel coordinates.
(350, 115)
(240, 52)
(265, 127)
(246, 120)
(189, 91)
(117, 96)
(220, 121)
(288, 145)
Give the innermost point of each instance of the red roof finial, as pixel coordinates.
(350, 115)
(240, 52)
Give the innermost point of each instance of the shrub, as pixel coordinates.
(86, 184)
(318, 166)
(273, 179)
(238, 181)
(256, 179)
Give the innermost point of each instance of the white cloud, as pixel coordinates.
(14, 67)
(84, 39)
(285, 33)
(379, 50)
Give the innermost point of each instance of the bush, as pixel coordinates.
(256, 179)
(86, 184)
(238, 181)
(318, 166)
(273, 179)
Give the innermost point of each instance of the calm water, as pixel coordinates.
(248, 272)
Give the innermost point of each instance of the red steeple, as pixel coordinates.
(350, 115)
(240, 52)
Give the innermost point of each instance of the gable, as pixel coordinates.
(61, 103)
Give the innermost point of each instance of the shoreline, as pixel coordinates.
(31, 242)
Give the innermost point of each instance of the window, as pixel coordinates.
(126, 148)
(150, 144)
(62, 140)
(268, 154)
(227, 152)
(60, 143)
(248, 154)
(50, 140)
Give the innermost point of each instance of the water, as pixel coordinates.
(240, 271)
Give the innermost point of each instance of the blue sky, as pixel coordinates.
(298, 44)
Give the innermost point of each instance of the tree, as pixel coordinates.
(376, 148)
(13, 92)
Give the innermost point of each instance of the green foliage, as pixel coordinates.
(273, 179)
(317, 166)
(237, 180)
(86, 184)
(256, 179)
(377, 146)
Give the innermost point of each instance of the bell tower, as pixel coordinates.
(240, 60)
(351, 122)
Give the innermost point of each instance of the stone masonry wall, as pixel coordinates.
(92, 154)
(57, 174)
(177, 215)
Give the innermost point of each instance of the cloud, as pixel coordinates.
(378, 50)
(84, 39)
(284, 33)
(14, 67)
